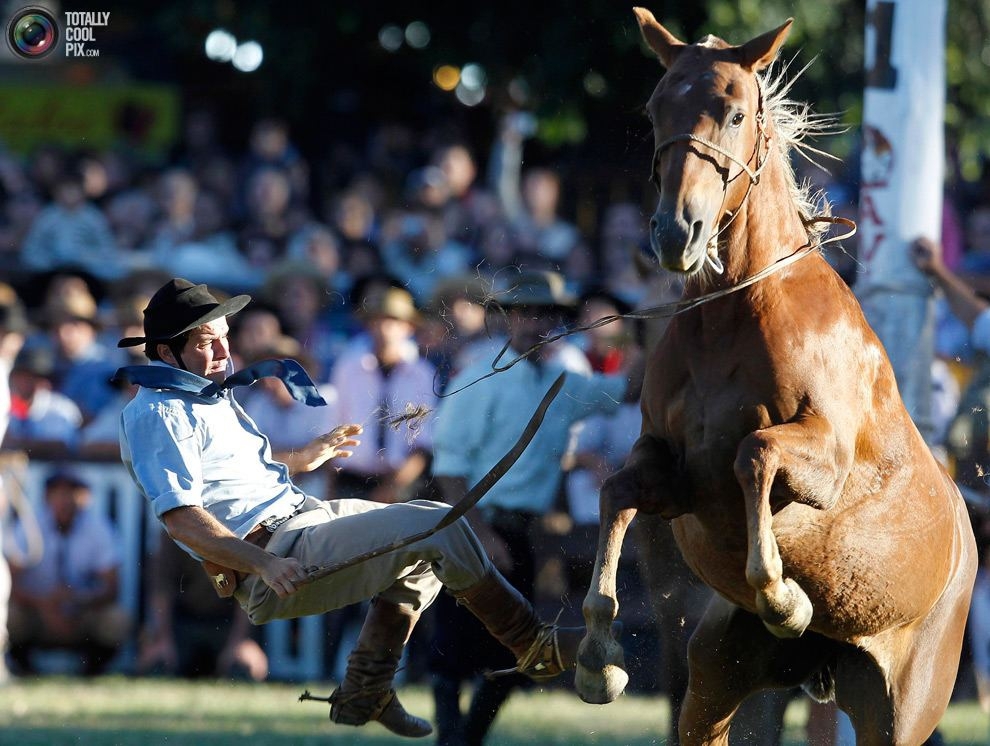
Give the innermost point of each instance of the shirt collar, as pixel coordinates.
(158, 375)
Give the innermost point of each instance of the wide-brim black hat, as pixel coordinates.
(180, 306)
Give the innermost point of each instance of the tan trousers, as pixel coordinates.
(337, 530)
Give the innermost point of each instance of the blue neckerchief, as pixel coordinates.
(293, 375)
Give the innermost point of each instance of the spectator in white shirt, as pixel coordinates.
(374, 386)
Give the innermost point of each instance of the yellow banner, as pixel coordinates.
(143, 118)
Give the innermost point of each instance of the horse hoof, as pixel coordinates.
(600, 687)
(790, 616)
(600, 676)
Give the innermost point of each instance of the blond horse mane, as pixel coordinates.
(793, 123)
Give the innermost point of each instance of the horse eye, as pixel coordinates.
(737, 119)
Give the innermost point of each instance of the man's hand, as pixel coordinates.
(927, 255)
(334, 444)
(283, 575)
(245, 653)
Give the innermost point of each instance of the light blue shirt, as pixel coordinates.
(477, 426)
(186, 449)
(76, 558)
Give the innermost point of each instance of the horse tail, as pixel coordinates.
(820, 686)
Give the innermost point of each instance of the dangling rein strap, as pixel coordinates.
(465, 503)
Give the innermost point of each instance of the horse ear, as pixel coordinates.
(660, 40)
(761, 51)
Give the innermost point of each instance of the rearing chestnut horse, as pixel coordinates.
(774, 437)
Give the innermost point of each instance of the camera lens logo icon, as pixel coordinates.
(32, 33)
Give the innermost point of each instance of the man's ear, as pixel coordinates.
(165, 353)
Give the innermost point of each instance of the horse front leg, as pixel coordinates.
(804, 458)
(650, 481)
(601, 675)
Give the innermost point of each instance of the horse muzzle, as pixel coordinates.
(679, 244)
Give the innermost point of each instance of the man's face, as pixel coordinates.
(73, 336)
(206, 351)
(387, 333)
(65, 501)
(530, 325)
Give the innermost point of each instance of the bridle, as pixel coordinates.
(762, 142)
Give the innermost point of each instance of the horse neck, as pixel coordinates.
(767, 228)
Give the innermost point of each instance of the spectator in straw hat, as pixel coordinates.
(377, 383)
(83, 365)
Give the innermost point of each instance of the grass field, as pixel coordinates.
(119, 711)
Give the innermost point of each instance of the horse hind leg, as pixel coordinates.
(781, 603)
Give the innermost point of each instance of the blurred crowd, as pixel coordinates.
(383, 283)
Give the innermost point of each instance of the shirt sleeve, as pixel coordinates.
(461, 424)
(596, 394)
(161, 448)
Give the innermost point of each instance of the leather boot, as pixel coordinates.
(542, 650)
(366, 692)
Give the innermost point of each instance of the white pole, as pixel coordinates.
(902, 175)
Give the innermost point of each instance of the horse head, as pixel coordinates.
(712, 138)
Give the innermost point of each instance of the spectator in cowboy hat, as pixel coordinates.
(83, 364)
(473, 429)
(376, 382)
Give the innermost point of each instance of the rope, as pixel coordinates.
(675, 308)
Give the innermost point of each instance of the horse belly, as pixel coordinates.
(863, 573)
(867, 571)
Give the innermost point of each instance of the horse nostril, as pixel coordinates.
(696, 228)
(653, 224)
